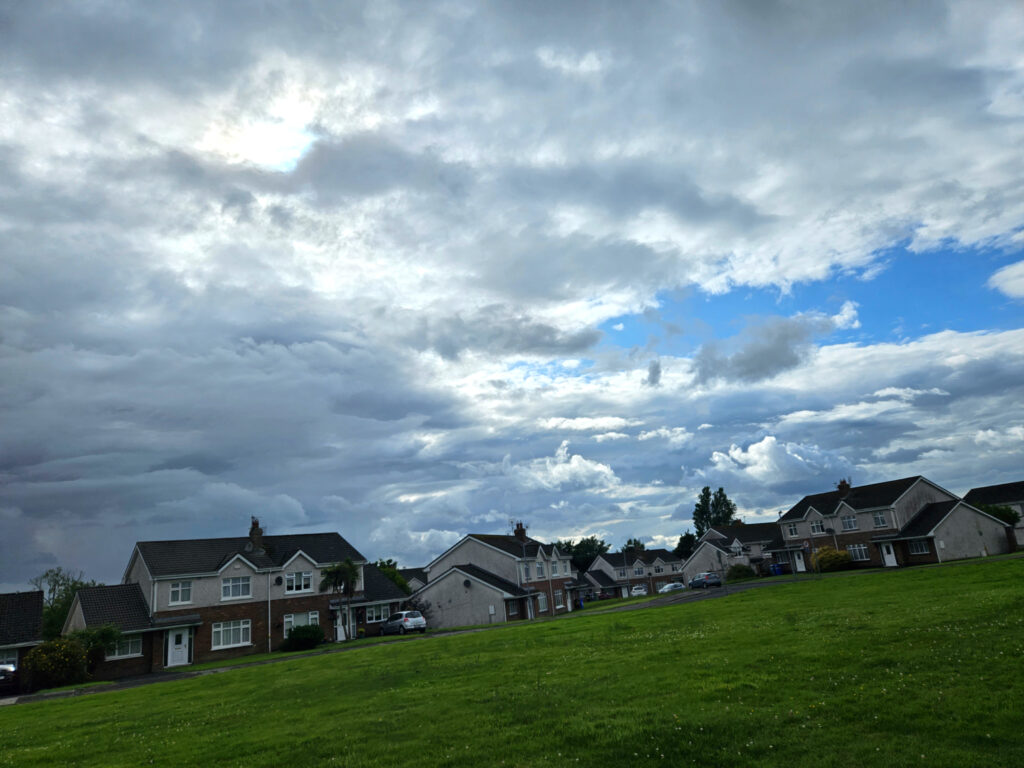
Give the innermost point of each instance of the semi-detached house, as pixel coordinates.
(195, 600)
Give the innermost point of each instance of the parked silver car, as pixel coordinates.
(404, 621)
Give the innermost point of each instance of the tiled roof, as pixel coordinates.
(188, 556)
(21, 618)
(1007, 493)
(749, 533)
(494, 580)
(858, 497)
(645, 556)
(119, 604)
(413, 573)
(602, 578)
(924, 521)
(377, 587)
(514, 546)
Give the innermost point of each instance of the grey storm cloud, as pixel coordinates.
(653, 374)
(762, 350)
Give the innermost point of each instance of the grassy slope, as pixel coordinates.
(918, 667)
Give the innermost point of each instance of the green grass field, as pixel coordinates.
(918, 667)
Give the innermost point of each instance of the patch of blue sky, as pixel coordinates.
(912, 295)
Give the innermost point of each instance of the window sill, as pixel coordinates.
(235, 599)
(175, 605)
(298, 592)
(122, 658)
(229, 647)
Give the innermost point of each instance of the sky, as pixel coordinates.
(407, 271)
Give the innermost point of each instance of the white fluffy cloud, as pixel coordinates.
(1009, 280)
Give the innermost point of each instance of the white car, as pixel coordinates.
(638, 590)
(671, 587)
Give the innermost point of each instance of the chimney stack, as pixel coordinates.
(520, 532)
(256, 536)
(844, 488)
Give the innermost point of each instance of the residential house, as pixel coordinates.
(196, 600)
(1005, 495)
(618, 572)
(898, 522)
(21, 630)
(492, 578)
(723, 546)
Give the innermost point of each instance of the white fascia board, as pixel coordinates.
(244, 560)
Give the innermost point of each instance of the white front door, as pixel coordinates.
(888, 555)
(177, 647)
(339, 626)
(798, 561)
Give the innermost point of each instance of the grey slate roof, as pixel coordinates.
(494, 580)
(1006, 493)
(21, 618)
(413, 573)
(924, 521)
(119, 604)
(514, 546)
(645, 556)
(749, 533)
(189, 556)
(603, 579)
(377, 587)
(859, 497)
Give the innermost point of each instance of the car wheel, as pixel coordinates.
(401, 630)
(423, 631)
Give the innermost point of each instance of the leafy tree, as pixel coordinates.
(830, 559)
(702, 512)
(1008, 515)
(710, 511)
(739, 571)
(303, 638)
(341, 579)
(390, 569)
(61, 661)
(583, 551)
(723, 509)
(96, 642)
(635, 544)
(58, 587)
(687, 543)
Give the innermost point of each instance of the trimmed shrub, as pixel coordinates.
(303, 638)
(56, 662)
(829, 559)
(740, 571)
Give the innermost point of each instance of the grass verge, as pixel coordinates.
(917, 667)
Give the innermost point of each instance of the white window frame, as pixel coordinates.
(554, 567)
(377, 613)
(559, 599)
(228, 584)
(542, 602)
(540, 570)
(638, 570)
(622, 573)
(919, 543)
(298, 581)
(313, 617)
(792, 531)
(850, 523)
(880, 515)
(675, 568)
(243, 628)
(181, 587)
(659, 569)
(858, 552)
(127, 647)
(513, 607)
(9, 656)
(818, 527)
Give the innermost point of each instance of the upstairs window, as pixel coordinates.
(638, 570)
(235, 587)
(554, 567)
(791, 530)
(817, 526)
(181, 592)
(300, 581)
(879, 518)
(849, 522)
(622, 573)
(540, 570)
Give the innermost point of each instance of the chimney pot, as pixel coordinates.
(520, 531)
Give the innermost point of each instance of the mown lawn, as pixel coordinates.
(919, 667)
